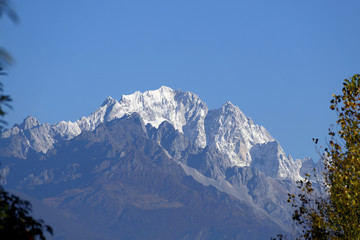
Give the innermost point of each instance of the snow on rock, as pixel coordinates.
(233, 133)
(314, 170)
(41, 137)
(67, 130)
(226, 128)
(271, 159)
(184, 110)
(10, 132)
(29, 122)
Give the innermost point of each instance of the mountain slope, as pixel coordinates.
(227, 128)
(117, 180)
(153, 155)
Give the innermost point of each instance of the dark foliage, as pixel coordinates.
(336, 216)
(16, 221)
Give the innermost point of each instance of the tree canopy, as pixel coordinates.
(337, 215)
(16, 221)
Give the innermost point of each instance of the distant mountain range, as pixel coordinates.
(154, 165)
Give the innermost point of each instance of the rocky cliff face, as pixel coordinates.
(226, 128)
(234, 134)
(153, 155)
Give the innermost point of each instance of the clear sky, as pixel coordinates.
(279, 61)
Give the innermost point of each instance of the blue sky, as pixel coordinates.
(279, 61)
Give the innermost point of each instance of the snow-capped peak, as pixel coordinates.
(108, 101)
(29, 122)
(184, 110)
(228, 105)
(154, 107)
(233, 133)
(227, 128)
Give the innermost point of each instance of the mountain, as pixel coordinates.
(155, 165)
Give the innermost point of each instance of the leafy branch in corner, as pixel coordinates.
(16, 221)
(335, 214)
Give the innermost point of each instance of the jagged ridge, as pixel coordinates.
(226, 128)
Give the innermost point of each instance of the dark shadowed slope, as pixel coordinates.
(121, 184)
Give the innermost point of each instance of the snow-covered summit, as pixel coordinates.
(29, 122)
(233, 133)
(108, 101)
(184, 110)
(226, 128)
